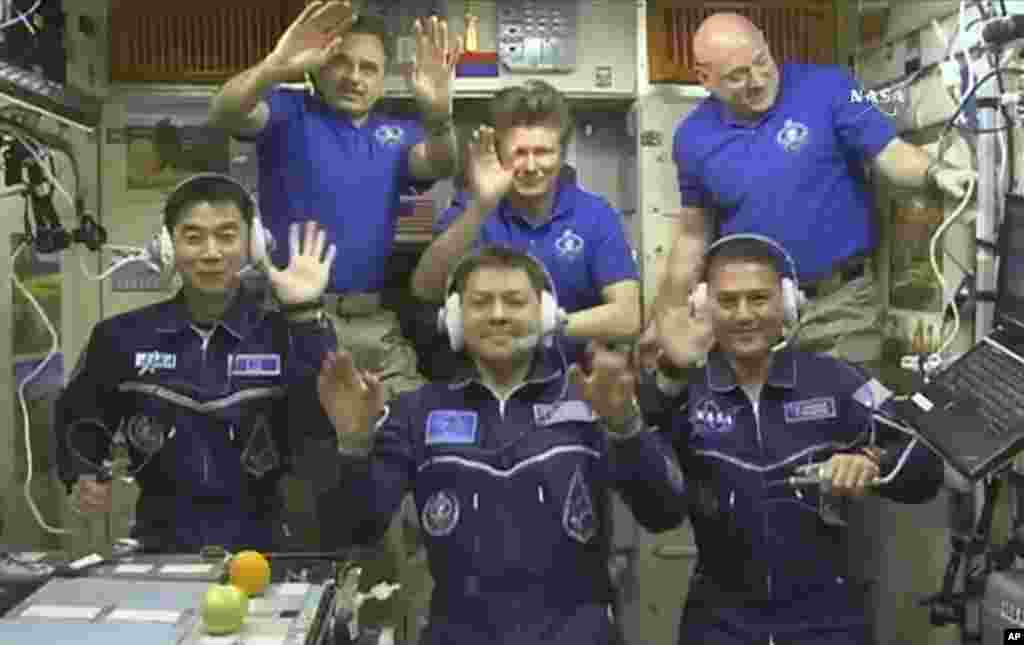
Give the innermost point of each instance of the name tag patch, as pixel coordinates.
(547, 414)
(255, 365)
(152, 361)
(452, 426)
(823, 407)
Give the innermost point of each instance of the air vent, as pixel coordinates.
(187, 41)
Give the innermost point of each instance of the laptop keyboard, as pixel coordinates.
(994, 380)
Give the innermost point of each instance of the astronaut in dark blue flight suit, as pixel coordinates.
(509, 464)
(772, 558)
(201, 388)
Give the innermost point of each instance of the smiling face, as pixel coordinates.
(501, 308)
(210, 241)
(747, 309)
(534, 152)
(353, 81)
(735, 64)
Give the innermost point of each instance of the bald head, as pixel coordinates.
(735, 64)
(721, 34)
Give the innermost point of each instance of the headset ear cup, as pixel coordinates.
(790, 300)
(699, 297)
(452, 319)
(167, 268)
(548, 313)
(257, 242)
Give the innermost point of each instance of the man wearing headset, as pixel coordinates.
(772, 440)
(509, 464)
(781, 151)
(202, 389)
(522, 195)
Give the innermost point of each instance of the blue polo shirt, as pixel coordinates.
(582, 244)
(314, 163)
(796, 175)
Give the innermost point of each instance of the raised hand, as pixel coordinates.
(311, 40)
(489, 179)
(609, 387)
(685, 334)
(352, 399)
(432, 78)
(305, 278)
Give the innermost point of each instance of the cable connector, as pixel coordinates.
(921, 363)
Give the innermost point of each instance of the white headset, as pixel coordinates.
(793, 299)
(161, 249)
(449, 317)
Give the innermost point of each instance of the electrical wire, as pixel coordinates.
(22, 401)
(22, 16)
(933, 260)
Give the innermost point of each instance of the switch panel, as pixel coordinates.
(538, 35)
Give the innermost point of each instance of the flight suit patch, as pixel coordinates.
(452, 426)
(823, 407)
(578, 516)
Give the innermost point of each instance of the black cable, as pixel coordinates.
(951, 123)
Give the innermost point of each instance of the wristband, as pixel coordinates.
(300, 307)
(437, 127)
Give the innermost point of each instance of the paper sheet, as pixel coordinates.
(61, 611)
(186, 568)
(144, 616)
(292, 589)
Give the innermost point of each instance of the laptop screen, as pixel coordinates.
(1010, 296)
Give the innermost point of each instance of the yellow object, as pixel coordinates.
(249, 571)
(472, 33)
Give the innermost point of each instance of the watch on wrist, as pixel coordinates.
(561, 321)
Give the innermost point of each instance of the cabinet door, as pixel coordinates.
(191, 41)
(798, 31)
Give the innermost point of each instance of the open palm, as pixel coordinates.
(488, 178)
(308, 270)
(312, 39)
(433, 71)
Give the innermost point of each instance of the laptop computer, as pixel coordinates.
(972, 413)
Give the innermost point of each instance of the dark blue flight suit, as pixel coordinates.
(772, 558)
(511, 497)
(206, 419)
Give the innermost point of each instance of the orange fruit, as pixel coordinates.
(249, 571)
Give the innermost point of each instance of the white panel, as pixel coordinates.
(604, 37)
(658, 190)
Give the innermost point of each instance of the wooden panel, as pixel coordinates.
(797, 31)
(187, 41)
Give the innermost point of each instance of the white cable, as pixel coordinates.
(54, 347)
(136, 255)
(22, 17)
(43, 165)
(933, 260)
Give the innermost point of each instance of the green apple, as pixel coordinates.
(224, 608)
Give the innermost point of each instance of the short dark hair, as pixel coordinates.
(503, 257)
(212, 189)
(744, 250)
(374, 25)
(535, 103)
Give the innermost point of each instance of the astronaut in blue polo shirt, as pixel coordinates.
(325, 151)
(772, 558)
(510, 464)
(780, 150)
(203, 389)
(520, 195)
